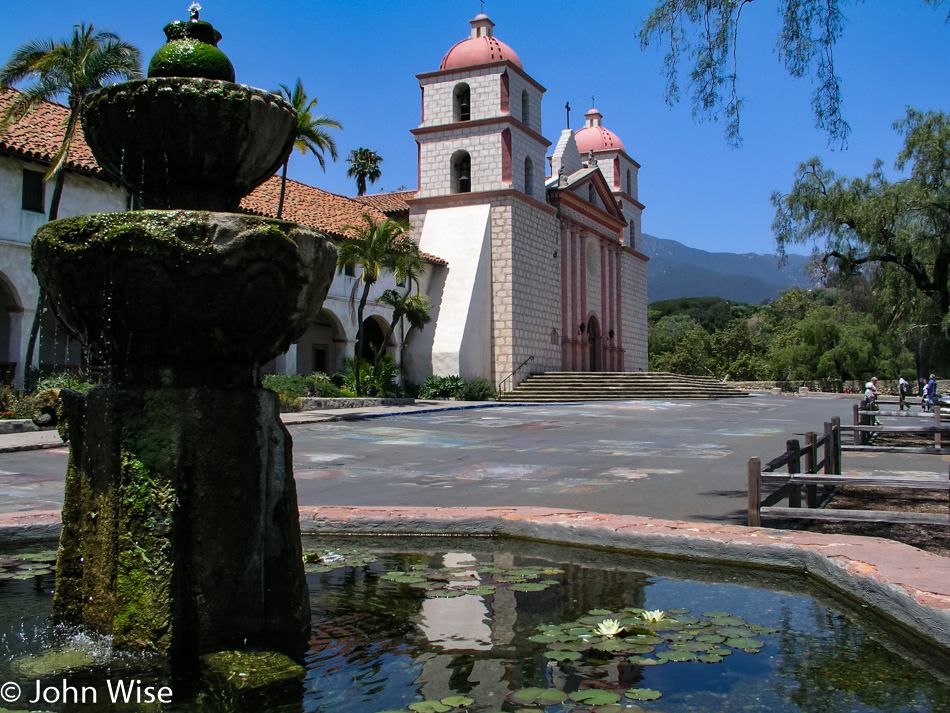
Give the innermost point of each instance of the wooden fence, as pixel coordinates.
(865, 430)
(803, 468)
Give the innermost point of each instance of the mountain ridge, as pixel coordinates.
(676, 270)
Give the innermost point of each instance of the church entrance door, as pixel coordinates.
(592, 341)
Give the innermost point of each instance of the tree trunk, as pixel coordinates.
(57, 194)
(283, 188)
(359, 336)
(34, 333)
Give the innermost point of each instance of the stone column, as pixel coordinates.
(585, 352)
(565, 301)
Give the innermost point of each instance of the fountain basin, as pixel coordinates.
(192, 143)
(183, 297)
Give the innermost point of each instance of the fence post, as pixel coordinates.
(755, 492)
(811, 457)
(858, 440)
(794, 467)
(938, 438)
(836, 429)
(829, 448)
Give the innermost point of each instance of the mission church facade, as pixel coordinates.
(521, 268)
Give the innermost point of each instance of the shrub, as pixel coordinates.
(14, 403)
(322, 385)
(442, 387)
(287, 385)
(77, 381)
(380, 382)
(477, 389)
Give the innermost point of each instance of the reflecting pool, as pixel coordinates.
(448, 625)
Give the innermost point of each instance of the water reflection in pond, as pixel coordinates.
(498, 626)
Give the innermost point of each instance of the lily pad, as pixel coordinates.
(645, 661)
(727, 621)
(696, 647)
(429, 707)
(715, 614)
(543, 638)
(445, 593)
(595, 697)
(709, 658)
(481, 591)
(736, 632)
(528, 587)
(458, 701)
(539, 696)
(564, 655)
(711, 638)
(645, 640)
(678, 610)
(745, 644)
(676, 656)
(642, 694)
(600, 612)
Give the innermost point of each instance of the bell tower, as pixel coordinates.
(481, 121)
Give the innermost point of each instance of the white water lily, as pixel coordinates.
(654, 615)
(608, 628)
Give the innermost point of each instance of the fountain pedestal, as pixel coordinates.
(178, 528)
(180, 523)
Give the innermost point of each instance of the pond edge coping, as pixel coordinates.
(901, 582)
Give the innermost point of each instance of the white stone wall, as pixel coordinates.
(527, 298)
(485, 95)
(459, 339)
(516, 85)
(483, 144)
(81, 194)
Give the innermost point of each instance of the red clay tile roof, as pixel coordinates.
(311, 206)
(394, 202)
(39, 135)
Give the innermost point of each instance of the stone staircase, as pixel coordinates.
(557, 386)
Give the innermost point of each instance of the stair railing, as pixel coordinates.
(503, 387)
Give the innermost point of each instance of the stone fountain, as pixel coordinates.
(180, 525)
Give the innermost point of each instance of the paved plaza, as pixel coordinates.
(676, 460)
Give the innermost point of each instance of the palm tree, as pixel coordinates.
(312, 135)
(364, 164)
(415, 308)
(76, 67)
(377, 247)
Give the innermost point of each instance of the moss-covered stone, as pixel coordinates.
(251, 680)
(218, 140)
(180, 531)
(183, 297)
(191, 51)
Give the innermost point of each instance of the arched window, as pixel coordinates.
(463, 103)
(591, 194)
(461, 172)
(528, 176)
(525, 108)
(633, 236)
(629, 183)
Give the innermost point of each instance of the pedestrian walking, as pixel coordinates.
(903, 389)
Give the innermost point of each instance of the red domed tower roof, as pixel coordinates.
(481, 48)
(594, 137)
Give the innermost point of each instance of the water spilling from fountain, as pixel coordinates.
(180, 531)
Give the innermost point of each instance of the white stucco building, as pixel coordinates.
(522, 268)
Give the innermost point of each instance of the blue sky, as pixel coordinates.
(360, 58)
